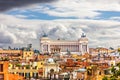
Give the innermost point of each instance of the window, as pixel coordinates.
(27, 75)
(35, 75)
(41, 63)
(89, 72)
(1, 67)
(100, 73)
(106, 72)
(1, 77)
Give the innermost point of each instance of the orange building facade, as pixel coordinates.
(4, 73)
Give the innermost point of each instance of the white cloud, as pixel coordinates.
(6, 37)
(21, 31)
(115, 18)
(20, 16)
(17, 30)
(78, 8)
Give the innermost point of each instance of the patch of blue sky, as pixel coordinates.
(37, 15)
(107, 14)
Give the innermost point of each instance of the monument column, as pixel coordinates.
(80, 48)
(49, 48)
(41, 47)
(87, 48)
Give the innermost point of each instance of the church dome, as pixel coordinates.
(50, 60)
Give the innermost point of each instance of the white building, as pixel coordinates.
(79, 46)
(50, 69)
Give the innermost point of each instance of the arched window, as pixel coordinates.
(51, 70)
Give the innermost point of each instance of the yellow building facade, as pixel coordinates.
(28, 54)
(27, 71)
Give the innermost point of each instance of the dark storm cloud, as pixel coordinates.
(9, 4)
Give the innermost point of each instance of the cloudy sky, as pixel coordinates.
(25, 21)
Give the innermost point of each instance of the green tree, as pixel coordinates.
(18, 65)
(118, 64)
(105, 78)
(27, 66)
(115, 73)
(113, 70)
(113, 78)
